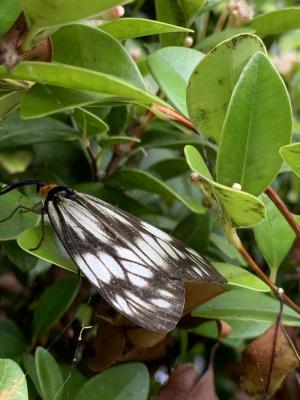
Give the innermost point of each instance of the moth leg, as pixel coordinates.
(43, 230)
(25, 209)
(22, 209)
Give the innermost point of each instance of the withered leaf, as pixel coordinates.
(262, 377)
(196, 294)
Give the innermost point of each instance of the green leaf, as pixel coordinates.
(158, 137)
(75, 45)
(168, 11)
(17, 160)
(128, 28)
(50, 250)
(291, 155)
(274, 236)
(89, 123)
(12, 340)
(20, 221)
(53, 303)
(13, 384)
(172, 68)
(41, 100)
(214, 39)
(241, 209)
(191, 8)
(9, 101)
(112, 140)
(258, 123)
(246, 305)
(132, 383)
(169, 168)
(213, 80)
(79, 78)
(30, 367)
(239, 330)
(276, 21)
(229, 252)
(16, 132)
(137, 179)
(49, 375)
(73, 380)
(45, 14)
(9, 12)
(194, 230)
(24, 261)
(240, 277)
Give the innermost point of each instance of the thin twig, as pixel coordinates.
(275, 339)
(284, 210)
(137, 129)
(242, 250)
(94, 163)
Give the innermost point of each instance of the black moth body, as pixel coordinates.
(135, 267)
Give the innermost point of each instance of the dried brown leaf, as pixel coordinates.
(143, 338)
(196, 294)
(109, 346)
(260, 366)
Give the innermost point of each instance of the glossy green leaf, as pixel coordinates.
(79, 78)
(238, 276)
(44, 14)
(75, 45)
(229, 253)
(20, 221)
(128, 28)
(277, 21)
(194, 230)
(258, 123)
(158, 137)
(213, 80)
(291, 155)
(49, 375)
(214, 39)
(138, 179)
(24, 261)
(42, 100)
(172, 68)
(132, 383)
(246, 305)
(9, 101)
(240, 208)
(30, 368)
(169, 168)
(9, 12)
(73, 380)
(168, 11)
(239, 330)
(274, 236)
(12, 340)
(89, 123)
(16, 132)
(53, 303)
(191, 8)
(112, 140)
(50, 250)
(17, 160)
(13, 384)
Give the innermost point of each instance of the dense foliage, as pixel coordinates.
(183, 113)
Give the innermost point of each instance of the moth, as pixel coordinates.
(136, 267)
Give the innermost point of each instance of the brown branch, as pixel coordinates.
(284, 210)
(94, 163)
(137, 129)
(242, 250)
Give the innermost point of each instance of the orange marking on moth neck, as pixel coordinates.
(44, 190)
